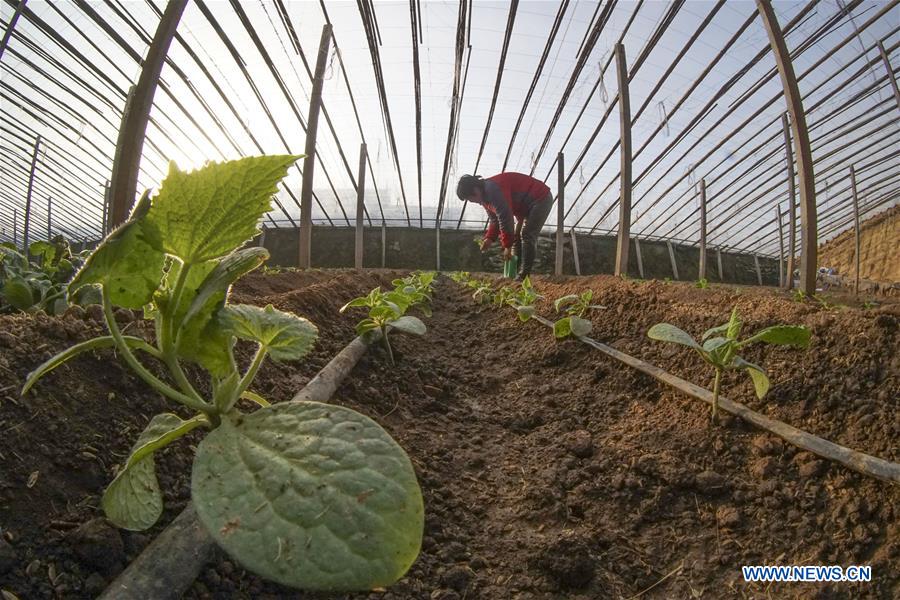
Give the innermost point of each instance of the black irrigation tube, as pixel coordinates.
(367, 14)
(860, 462)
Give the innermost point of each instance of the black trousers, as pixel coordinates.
(525, 246)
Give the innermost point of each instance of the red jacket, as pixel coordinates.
(507, 196)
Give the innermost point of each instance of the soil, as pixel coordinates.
(548, 470)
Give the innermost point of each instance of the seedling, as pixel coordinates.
(702, 284)
(523, 300)
(575, 306)
(503, 296)
(39, 284)
(387, 310)
(483, 293)
(721, 352)
(310, 495)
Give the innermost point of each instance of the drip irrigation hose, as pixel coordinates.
(173, 560)
(861, 463)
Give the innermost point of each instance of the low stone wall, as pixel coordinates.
(413, 248)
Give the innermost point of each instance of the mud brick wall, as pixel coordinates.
(413, 248)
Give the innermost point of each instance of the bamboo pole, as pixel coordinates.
(672, 260)
(309, 163)
(792, 204)
(575, 252)
(383, 244)
(11, 26)
(624, 237)
(702, 229)
(890, 71)
(49, 217)
(130, 144)
(806, 177)
(758, 270)
(856, 229)
(719, 261)
(640, 260)
(560, 204)
(360, 207)
(780, 247)
(27, 220)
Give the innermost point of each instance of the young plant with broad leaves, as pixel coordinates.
(310, 495)
(523, 300)
(702, 284)
(387, 311)
(575, 306)
(40, 283)
(720, 347)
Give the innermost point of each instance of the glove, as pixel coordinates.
(485, 245)
(507, 254)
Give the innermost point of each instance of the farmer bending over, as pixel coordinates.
(504, 197)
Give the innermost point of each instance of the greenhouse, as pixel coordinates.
(449, 299)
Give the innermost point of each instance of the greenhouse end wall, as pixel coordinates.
(412, 248)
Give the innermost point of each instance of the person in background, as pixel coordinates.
(510, 197)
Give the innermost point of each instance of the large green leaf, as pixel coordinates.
(285, 335)
(124, 263)
(734, 325)
(580, 327)
(525, 312)
(717, 331)
(665, 332)
(133, 500)
(17, 293)
(106, 341)
(757, 374)
(409, 324)
(563, 301)
(791, 335)
(207, 213)
(310, 495)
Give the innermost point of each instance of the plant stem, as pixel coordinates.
(169, 342)
(258, 358)
(715, 406)
(387, 344)
(154, 382)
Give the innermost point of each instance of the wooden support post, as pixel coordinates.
(792, 204)
(104, 218)
(130, 144)
(27, 221)
(383, 245)
(780, 247)
(575, 253)
(856, 227)
(887, 65)
(637, 250)
(15, 228)
(309, 163)
(672, 260)
(11, 26)
(360, 207)
(806, 177)
(49, 217)
(560, 205)
(719, 261)
(437, 246)
(625, 170)
(758, 270)
(702, 229)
